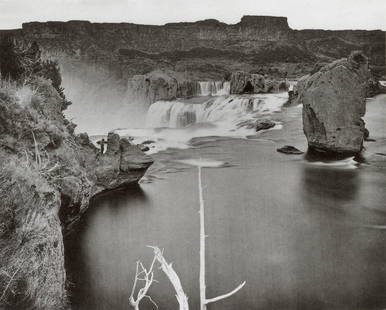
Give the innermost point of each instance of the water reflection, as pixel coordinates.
(81, 248)
(342, 267)
(120, 198)
(329, 186)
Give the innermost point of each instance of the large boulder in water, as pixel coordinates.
(334, 101)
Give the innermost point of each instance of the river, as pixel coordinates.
(302, 232)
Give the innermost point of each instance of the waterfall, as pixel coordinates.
(173, 124)
(214, 88)
(232, 109)
(292, 84)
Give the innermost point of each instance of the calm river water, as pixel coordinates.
(302, 233)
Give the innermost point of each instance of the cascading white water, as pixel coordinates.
(177, 114)
(291, 85)
(173, 124)
(214, 88)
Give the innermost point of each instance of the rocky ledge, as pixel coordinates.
(47, 177)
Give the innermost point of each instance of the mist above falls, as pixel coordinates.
(99, 100)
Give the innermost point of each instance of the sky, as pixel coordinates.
(302, 14)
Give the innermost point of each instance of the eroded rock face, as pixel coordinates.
(333, 105)
(244, 83)
(203, 47)
(47, 177)
(160, 85)
(121, 165)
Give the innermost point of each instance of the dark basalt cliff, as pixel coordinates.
(205, 49)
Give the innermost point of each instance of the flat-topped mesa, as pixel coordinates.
(272, 22)
(203, 48)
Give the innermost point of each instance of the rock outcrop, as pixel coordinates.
(249, 83)
(47, 177)
(160, 85)
(121, 165)
(257, 124)
(290, 150)
(334, 102)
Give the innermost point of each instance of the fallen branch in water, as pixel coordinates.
(142, 274)
(203, 300)
(169, 271)
(173, 278)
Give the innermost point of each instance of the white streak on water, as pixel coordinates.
(348, 163)
(202, 162)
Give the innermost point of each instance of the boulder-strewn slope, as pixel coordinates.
(334, 102)
(47, 177)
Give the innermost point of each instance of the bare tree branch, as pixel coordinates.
(173, 278)
(225, 295)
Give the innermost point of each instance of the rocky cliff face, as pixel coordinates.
(47, 177)
(160, 85)
(207, 49)
(243, 82)
(103, 63)
(334, 102)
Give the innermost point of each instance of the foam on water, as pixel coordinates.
(202, 162)
(348, 163)
(173, 124)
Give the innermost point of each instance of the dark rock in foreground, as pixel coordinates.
(334, 102)
(289, 149)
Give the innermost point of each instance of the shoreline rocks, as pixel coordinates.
(334, 102)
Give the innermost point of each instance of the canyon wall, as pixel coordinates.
(204, 49)
(99, 61)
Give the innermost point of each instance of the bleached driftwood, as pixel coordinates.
(142, 274)
(208, 301)
(170, 272)
(173, 278)
(202, 242)
(203, 300)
